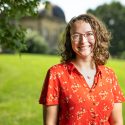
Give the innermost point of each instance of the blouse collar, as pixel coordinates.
(71, 67)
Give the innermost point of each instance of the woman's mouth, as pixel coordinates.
(84, 47)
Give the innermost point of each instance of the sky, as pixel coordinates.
(73, 8)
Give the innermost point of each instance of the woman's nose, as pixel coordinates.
(83, 39)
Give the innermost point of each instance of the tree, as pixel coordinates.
(11, 11)
(113, 15)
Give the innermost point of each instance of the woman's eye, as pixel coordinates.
(90, 34)
(76, 36)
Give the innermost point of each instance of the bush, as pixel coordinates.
(35, 43)
(122, 55)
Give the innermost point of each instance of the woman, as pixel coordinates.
(81, 90)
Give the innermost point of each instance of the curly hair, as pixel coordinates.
(102, 36)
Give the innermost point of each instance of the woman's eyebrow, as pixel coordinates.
(82, 33)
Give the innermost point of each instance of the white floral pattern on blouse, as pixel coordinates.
(78, 103)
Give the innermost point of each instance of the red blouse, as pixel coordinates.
(78, 103)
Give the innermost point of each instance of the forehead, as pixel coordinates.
(80, 26)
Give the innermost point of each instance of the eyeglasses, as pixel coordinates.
(78, 36)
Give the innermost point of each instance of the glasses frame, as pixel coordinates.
(87, 35)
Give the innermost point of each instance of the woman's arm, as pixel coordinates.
(50, 115)
(116, 115)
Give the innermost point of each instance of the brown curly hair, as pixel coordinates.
(102, 36)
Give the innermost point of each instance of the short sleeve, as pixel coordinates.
(50, 91)
(118, 94)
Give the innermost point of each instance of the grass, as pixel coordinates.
(21, 79)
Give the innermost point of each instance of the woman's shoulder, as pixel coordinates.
(58, 67)
(106, 69)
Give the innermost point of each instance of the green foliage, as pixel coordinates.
(35, 43)
(21, 81)
(12, 38)
(122, 55)
(11, 11)
(113, 15)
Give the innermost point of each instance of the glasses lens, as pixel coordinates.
(75, 37)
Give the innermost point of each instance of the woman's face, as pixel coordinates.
(82, 39)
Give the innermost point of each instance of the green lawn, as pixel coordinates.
(21, 79)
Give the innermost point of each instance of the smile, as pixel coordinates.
(83, 47)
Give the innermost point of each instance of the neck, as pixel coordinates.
(84, 63)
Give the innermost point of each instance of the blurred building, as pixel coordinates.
(50, 22)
